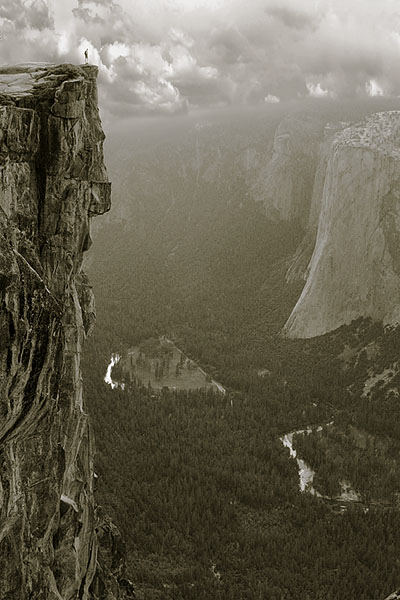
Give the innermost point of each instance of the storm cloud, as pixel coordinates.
(171, 56)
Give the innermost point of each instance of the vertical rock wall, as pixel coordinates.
(298, 267)
(355, 267)
(285, 185)
(52, 181)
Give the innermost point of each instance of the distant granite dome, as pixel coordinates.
(52, 181)
(379, 132)
(355, 267)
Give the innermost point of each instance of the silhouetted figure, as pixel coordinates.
(86, 56)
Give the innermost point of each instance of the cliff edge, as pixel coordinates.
(52, 181)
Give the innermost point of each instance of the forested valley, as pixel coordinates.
(203, 490)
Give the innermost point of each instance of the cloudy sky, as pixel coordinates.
(173, 56)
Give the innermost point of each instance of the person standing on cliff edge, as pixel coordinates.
(86, 56)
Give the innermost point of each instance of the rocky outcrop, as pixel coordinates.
(355, 267)
(52, 181)
(110, 581)
(394, 596)
(285, 186)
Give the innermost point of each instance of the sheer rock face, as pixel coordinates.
(298, 267)
(286, 185)
(52, 181)
(355, 267)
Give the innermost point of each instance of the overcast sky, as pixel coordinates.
(171, 56)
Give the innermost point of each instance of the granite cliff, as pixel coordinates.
(298, 268)
(52, 182)
(354, 270)
(285, 185)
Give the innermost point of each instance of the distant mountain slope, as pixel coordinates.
(286, 181)
(355, 268)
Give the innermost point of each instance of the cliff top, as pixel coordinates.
(379, 132)
(31, 79)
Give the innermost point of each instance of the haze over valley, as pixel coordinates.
(214, 238)
(200, 390)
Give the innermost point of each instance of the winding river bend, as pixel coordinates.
(306, 473)
(115, 358)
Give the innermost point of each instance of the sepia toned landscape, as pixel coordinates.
(199, 300)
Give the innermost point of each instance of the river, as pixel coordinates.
(115, 358)
(306, 473)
